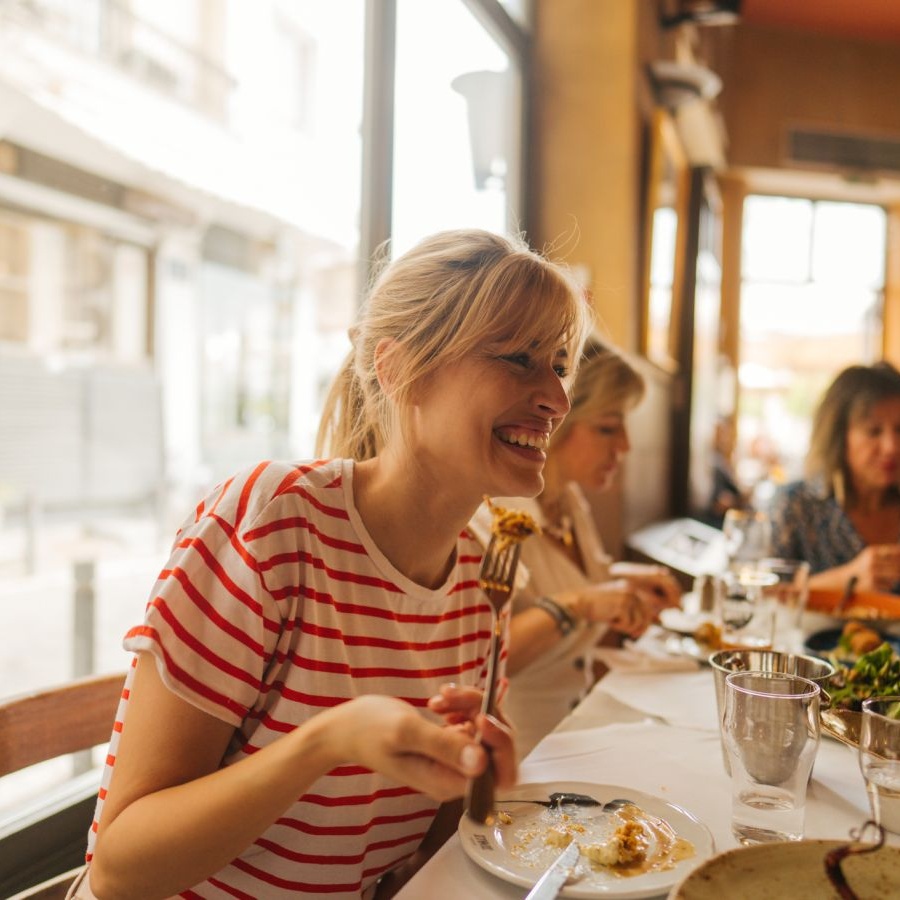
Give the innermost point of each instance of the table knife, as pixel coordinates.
(846, 597)
(551, 882)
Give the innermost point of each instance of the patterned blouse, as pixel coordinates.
(808, 523)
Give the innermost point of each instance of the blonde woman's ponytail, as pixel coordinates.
(345, 429)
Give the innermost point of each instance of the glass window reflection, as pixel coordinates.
(456, 120)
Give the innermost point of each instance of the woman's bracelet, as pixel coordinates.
(565, 621)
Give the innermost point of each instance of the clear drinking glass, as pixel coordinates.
(879, 759)
(744, 614)
(724, 662)
(771, 732)
(748, 537)
(787, 598)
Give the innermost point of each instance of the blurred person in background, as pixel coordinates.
(725, 493)
(844, 517)
(569, 595)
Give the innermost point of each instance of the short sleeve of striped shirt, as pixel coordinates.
(210, 622)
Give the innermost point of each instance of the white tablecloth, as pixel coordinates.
(657, 733)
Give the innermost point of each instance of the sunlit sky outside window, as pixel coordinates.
(811, 295)
(434, 170)
(662, 267)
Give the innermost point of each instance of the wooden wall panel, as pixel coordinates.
(588, 129)
(587, 153)
(774, 78)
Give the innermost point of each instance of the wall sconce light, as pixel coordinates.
(702, 12)
(489, 97)
(676, 84)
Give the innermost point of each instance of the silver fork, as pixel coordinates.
(498, 572)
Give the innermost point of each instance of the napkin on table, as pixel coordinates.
(642, 659)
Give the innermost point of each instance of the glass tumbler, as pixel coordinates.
(744, 612)
(787, 598)
(748, 537)
(879, 759)
(771, 732)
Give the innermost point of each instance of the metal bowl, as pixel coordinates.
(724, 661)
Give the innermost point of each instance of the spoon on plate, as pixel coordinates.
(559, 799)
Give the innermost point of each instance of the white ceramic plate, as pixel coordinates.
(682, 622)
(517, 852)
(795, 870)
(681, 645)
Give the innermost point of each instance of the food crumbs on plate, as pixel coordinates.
(504, 818)
(628, 843)
(557, 837)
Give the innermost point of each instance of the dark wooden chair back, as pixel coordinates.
(34, 728)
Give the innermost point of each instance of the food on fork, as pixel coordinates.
(511, 526)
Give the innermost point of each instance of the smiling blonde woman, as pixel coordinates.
(287, 727)
(569, 597)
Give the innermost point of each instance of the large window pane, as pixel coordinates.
(807, 311)
(457, 135)
(777, 234)
(179, 265)
(179, 228)
(849, 245)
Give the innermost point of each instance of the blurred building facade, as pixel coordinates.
(179, 226)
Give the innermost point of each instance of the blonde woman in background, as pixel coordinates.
(287, 727)
(844, 518)
(569, 597)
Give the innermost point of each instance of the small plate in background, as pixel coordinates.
(870, 606)
(825, 644)
(681, 621)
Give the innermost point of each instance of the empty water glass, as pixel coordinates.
(787, 598)
(723, 662)
(748, 537)
(744, 614)
(771, 732)
(879, 759)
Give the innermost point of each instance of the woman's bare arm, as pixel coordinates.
(173, 817)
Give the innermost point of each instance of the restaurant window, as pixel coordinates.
(457, 144)
(811, 304)
(177, 277)
(179, 265)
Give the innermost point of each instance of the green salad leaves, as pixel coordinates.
(874, 674)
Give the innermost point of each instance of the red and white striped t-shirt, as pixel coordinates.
(276, 604)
